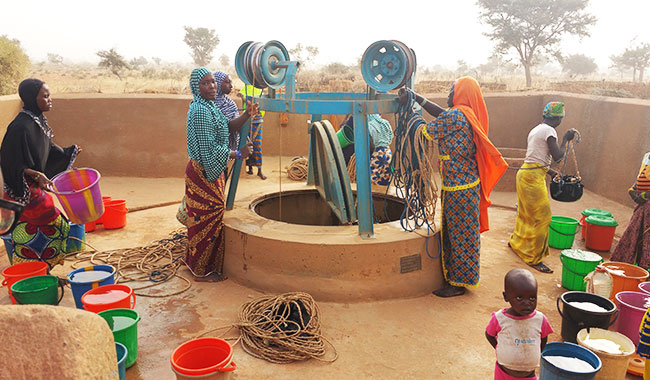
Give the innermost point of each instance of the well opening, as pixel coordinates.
(306, 207)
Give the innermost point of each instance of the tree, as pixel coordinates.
(54, 59)
(496, 65)
(202, 41)
(138, 62)
(13, 65)
(156, 60)
(224, 60)
(636, 58)
(303, 54)
(579, 64)
(531, 26)
(113, 61)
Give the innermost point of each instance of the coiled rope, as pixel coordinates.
(157, 262)
(412, 171)
(281, 329)
(297, 169)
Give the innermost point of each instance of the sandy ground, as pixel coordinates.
(419, 338)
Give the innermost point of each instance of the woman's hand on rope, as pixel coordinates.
(252, 108)
(570, 134)
(403, 95)
(247, 149)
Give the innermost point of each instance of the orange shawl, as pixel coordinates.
(468, 99)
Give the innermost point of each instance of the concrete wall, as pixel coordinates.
(144, 135)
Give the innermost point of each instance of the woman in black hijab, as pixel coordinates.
(29, 158)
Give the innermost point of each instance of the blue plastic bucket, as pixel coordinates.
(122, 353)
(549, 371)
(9, 247)
(76, 231)
(80, 283)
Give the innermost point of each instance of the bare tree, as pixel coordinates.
(530, 26)
(113, 61)
(202, 41)
(224, 60)
(636, 58)
(303, 54)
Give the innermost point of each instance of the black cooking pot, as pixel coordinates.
(566, 189)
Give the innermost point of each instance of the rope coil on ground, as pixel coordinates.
(297, 169)
(283, 329)
(157, 262)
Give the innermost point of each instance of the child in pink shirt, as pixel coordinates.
(520, 332)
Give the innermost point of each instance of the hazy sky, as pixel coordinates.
(439, 32)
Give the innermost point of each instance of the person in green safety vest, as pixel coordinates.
(255, 159)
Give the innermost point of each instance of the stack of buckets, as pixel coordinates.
(98, 293)
(21, 271)
(114, 216)
(598, 228)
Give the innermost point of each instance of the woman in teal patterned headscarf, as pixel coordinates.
(207, 147)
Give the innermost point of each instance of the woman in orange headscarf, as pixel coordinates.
(470, 166)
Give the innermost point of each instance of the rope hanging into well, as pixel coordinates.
(297, 169)
(413, 172)
(157, 262)
(283, 329)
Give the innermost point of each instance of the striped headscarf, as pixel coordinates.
(207, 130)
(553, 110)
(223, 101)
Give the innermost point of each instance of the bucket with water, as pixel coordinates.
(106, 297)
(115, 214)
(83, 279)
(576, 264)
(562, 231)
(345, 136)
(19, 271)
(37, 290)
(644, 287)
(581, 310)
(557, 362)
(122, 353)
(625, 277)
(76, 238)
(79, 194)
(203, 358)
(589, 212)
(632, 306)
(614, 350)
(124, 325)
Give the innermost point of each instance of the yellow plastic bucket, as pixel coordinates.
(614, 365)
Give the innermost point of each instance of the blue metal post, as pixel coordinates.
(236, 168)
(362, 157)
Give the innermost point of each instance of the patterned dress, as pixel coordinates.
(207, 147)
(460, 198)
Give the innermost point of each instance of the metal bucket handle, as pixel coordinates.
(581, 325)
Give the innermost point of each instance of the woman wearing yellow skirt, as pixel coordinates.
(530, 237)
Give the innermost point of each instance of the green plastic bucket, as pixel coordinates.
(124, 325)
(576, 264)
(37, 290)
(562, 231)
(345, 136)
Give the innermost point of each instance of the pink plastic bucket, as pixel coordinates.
(79, 194)
(632, 306)
(644, 287)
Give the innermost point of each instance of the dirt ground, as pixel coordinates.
(418, 338)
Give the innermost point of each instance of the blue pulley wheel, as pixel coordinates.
(273, 54)
(387, 65)
(239, 62)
